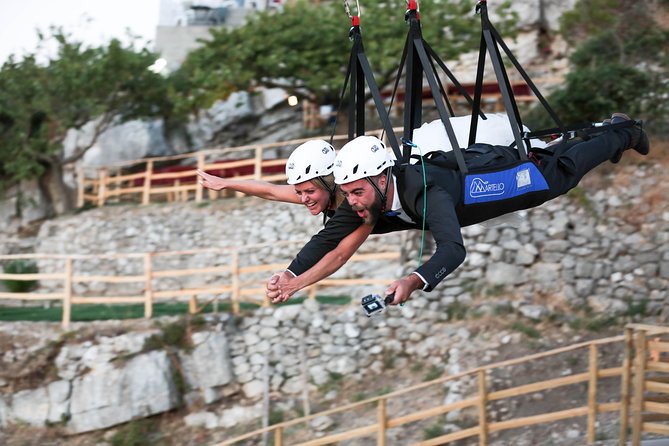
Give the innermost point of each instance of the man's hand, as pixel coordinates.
(288, 285)
(274, 290)
(403, 288)
(210, 181)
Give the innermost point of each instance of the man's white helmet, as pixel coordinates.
(310, 160)
(364, 156)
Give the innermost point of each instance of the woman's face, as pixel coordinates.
(316, 199)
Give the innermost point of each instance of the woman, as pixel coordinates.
(310, 182)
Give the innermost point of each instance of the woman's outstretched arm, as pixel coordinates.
(262, 189)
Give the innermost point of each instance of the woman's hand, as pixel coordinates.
(211, 181)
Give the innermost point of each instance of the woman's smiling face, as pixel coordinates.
(316, 199)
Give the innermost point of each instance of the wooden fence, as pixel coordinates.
(643, 348)
(231, 279)
(143, 182)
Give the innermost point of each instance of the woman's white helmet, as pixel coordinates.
(364, 156)
(310, 160)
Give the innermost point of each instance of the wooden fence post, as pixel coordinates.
(102, 187)
(146, 194)
(199, 188)
(67, 291)
(80, 185)
(176, 195)
(278, 436)
(148, 286)
(234, 269)
(639, 381)
(306, 406)
(265, 399)
(483, 402)
(592, 393)
(383, 423)
(625, 386)
(257, 168)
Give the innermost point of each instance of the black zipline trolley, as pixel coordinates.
(420, 59)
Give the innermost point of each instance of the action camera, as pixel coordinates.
(373, 304)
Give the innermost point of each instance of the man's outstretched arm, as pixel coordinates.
(325, 242)
(442, 221)
(288, 284)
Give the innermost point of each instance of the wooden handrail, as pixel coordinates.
(484, 427)
(658, 407)
(110, 182)
(238, 288)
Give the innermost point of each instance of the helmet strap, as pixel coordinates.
(384, 194)
(332, 191)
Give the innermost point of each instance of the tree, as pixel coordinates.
(620, 64)
(303, 48)
(40, 102)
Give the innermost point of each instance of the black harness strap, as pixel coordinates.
(358, 72)
(490, 39)
(489, 42)
(526, 78)
(399, 76)
(478, 91)
(418, 63)
(579, 129)
(435, 58)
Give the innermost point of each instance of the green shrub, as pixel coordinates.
(433, 431)
(20, 267)
(433, 373)
(135, 433)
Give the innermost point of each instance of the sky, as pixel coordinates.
(93, 22)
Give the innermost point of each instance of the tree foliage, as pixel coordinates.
(304, 48)
(40, 102)
(620, 63)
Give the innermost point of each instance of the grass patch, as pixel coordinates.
(417, 366)
(433, 431)
(595, 324)
(20, 266)
(581, 198)
(636, 308)
(383, 390)
(136, 433)
(94, 312)
(433, 373)
(528, 331)
(503, 309)
(359, 396)
(495, 291)
(276, 416)
(456, 311)
(329, 300)
(97, 312)
(335, 382)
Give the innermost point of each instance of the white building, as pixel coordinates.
(183, 23)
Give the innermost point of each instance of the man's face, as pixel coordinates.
(316, 199)
(363, 198)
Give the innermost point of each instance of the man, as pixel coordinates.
(445, 200)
